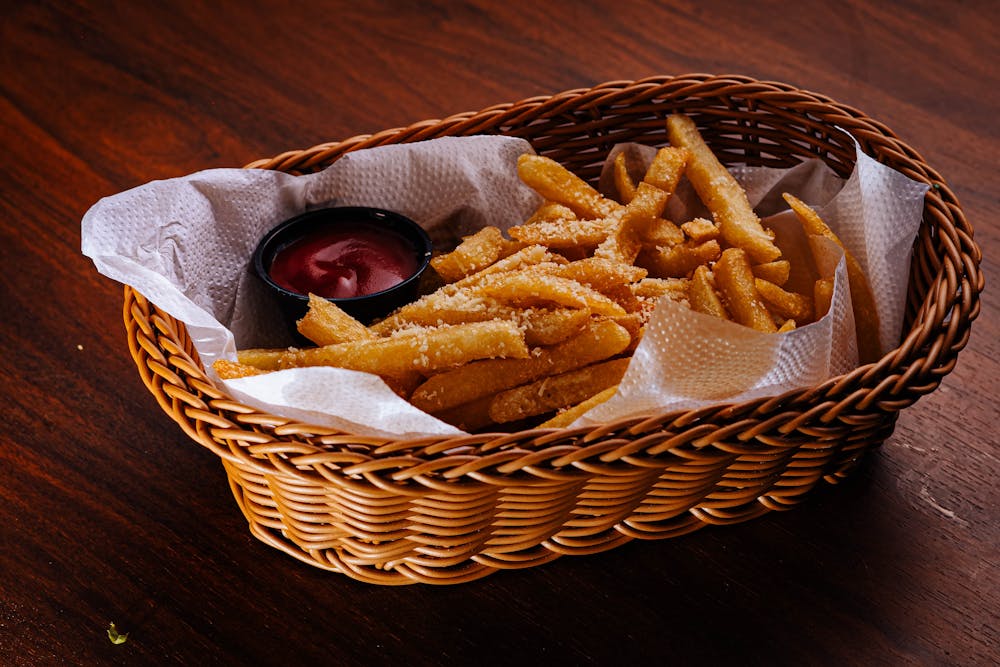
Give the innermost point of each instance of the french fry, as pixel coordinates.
(776, 272)
(822, 296)
(422, 350)
(623, 180)
(662, 232)
(601, 274)
(551, 210)
(739, 226)
(600, 340)
(459, 302)
(325, 323)
(531, 255)
(642, 223)
(557, 391)
(702, 294)
(650, 291)
(735, 281)
(785, 304)
(563, 233)
(654, 288)
(786, 326)
(625, 240)
(866, 320)
(632, 323)
(700, 230)
(263, 359)
(544, 326)
(232, 370)
(667, 168)
(556, 183)
(678, 261)
(536, 289)
(473, 254)
(454, 307)
(623, 296)
(571, 414)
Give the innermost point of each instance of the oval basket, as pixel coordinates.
(451, 509)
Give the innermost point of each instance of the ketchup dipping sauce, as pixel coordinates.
(366, 260)
(344, 262)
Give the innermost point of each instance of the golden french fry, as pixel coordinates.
(563, 233)
(601, 274)
(264, 359)
(623, 180)
(469, 299)
(785, 304)
(623, 296)
(786, 326)
(662, 232)
(866, 320)
(735, 281)
(739, 226)
(677, 261)
(702, 294)
(551, 210)
(325, 323)
(600, 340)
(232, 370)
(700, 230)
(537, 289)
(445, 307)
(667, 168)
(632, 323)
(643, 224)
(571, 414)
(822, 296)
(550, 326)
(556, 183)
(654, 288)
(542, 326)
(473, 254)
(421, 350)
(459, 302)
(530, 256)
(438, 305)
(625, 239)
(776, 272)
(557, 391)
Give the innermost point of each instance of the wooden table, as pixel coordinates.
(109, 513)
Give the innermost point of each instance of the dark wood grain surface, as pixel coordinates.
(108, 512)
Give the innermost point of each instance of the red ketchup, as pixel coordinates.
(344, 261)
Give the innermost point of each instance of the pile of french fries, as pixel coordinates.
(537, 326)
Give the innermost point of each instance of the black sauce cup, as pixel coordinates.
(366, 308)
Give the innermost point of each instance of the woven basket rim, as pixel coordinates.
(169, 367)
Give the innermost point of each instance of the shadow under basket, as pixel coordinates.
(445, 510)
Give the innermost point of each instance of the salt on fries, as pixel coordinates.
(538, 326)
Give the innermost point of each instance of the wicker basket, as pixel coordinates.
(451, 509)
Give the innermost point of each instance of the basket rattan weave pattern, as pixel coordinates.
(445, 510)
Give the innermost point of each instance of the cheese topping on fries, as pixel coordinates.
(535, 327)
